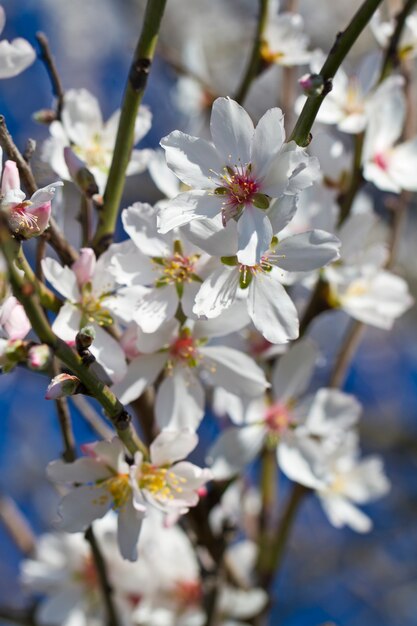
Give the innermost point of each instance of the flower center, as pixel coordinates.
(188, 592)
(20, 219)
(176, 270)
(119, 488)
(94, 154)
(380, 159)
(239, 188)
(92, 309)
(278, 418)
(185, 349)
(160, 482)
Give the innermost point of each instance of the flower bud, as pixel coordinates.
(80, 174)
(85, 337)
(10, 179)
(312, 84)
(44, 116)
(13, 352)
(38, 357)
(61, 386)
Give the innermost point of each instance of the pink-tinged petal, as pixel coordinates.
(10, 179)
(294, 370)
(42, 214)
(172, 445)
(271, 309)
(140, 373)
(109, 354)
(191, 205)
(254, 235)
(83, 505)
(84, 266)
(267, 141)
(192, 159)
(403, 165)
(306, 251)
(179, 401)
(156, 306)
(129, 523)
(67, 323)
(380, 177)
(232, 132)
(14, 319)
(217, 292)
(234, 371)
(61, 278)
(15, 57)
(85, 470)
(234, 449)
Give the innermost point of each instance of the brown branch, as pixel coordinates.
(50, 66)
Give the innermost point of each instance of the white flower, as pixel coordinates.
(389, 166)
(260, 285)
(82, 128)
(300, 430)
(181, 354)
(15, 56)
(237, 175)
(13, 319)
(106, 481)
(285, 42)
(383, 31)
(166, 265)
(348, 481)
(92, 298)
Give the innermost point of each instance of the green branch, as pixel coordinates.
(133, 95)
(252, 69)
(344, 42)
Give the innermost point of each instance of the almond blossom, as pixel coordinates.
(92, 140)
(387, 164)
(167, 265)
(105, 480)
(285, 42)
(383, 31)
(260, 285)
(181, 354)
(237, 175)
(26, 218)
(92, 297)
(16, 55)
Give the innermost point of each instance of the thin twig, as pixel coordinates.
(392, 54)
(64, 417)
(49, 62)
(16, 525)
(107, 589)
(18, 616)
(255, 57)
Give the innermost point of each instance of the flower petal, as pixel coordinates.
(172, 445)
(179, 401)
(232, 132)
(233, 370)
(192, 159)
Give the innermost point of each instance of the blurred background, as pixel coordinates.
(329, 576)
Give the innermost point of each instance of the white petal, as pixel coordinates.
(241, 603)
(81, 116)
(129, 523)
(234, 449)
(179, 401)
(109, 354)
(294, 370)
(155, 307)
(15, 57)
(61, 278)
(281, 212)
(403, 165)
(192, 159)
(83, 505)
(341, 513)
(59, 607)
(233, 370)
(141, 372)
(67, 323)
(83, 470)
(217, 292)
(140, 223)
(172, 445)
(271, 309)
(297, 459)
(232, 132)
(254, 235)
(267, 140)
(307, 251)
(211, 236)
(188, 206)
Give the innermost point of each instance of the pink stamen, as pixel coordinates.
(278, 418)
(381, 161)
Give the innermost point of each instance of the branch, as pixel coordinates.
(25, 293)
(255, 58)
(106, 588)
(344, 42)
(16, 525)
(49, 62)
(135, 88)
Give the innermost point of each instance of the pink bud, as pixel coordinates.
(61, 386)
(13, 319)
(312, 84)
(84, 266)
(11, 178)
(38, 357)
